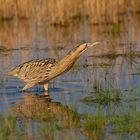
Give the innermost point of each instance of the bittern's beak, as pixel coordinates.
(93, 44)
(86, 46)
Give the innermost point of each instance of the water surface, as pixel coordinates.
(108, 68)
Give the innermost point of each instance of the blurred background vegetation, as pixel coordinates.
(64, 11)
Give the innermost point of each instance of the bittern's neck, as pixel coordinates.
(71, 57)
(67, 62)
(64, 65)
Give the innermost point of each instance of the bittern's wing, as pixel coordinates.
(33, 71)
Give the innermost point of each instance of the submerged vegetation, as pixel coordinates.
(104, 96)
(92, 126)
(9, 128)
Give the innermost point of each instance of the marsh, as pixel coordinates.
(101, 90)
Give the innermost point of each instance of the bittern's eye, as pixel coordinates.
(86, 45)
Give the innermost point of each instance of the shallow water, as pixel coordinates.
(26, 40)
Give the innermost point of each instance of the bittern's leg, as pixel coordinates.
(46, 86)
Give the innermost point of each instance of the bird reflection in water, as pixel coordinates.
(43, 108)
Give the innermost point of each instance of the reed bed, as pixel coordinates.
(63, 12)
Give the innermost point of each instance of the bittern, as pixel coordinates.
(41, 71)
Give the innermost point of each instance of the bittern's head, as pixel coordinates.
(83, 47)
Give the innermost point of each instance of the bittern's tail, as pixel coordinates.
(13, 72)
(29, 85)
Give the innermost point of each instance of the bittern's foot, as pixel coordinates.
(45, 97)
(45, 94)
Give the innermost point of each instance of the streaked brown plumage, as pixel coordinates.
(41, 71)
